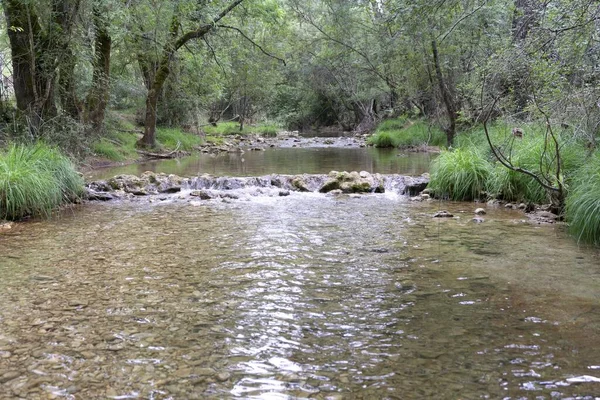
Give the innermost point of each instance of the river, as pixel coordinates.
(304, 296)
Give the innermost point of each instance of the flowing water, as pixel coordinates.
(303, 296)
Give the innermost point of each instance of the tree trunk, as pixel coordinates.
(524, 19)
(22, 34)
(97, 98)
(446, 96)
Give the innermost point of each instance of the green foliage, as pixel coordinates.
(392, 124)
(583, 203)
(223, 129)
(534, 152)
(35, 179)
(233, 128)
(460, 174)
(107, 149)
(268, 130)
(172, 139)
(400, 133)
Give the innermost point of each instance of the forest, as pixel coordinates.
(494, 79)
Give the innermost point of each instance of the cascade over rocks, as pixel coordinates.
(206, 187)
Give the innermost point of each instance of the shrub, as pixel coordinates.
(460, 174)
(583, 203)
(34, 179)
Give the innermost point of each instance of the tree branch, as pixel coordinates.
(253, 42)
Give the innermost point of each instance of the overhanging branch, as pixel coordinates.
(238, 30)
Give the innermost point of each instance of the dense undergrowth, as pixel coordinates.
(471, 172)
(34, 180)
(403, 133)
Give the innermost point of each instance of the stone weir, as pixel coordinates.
(208, 187)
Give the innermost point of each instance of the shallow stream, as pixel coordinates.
(304, 296)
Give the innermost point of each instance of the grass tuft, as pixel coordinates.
(233, 128)
(171, 138)
(460, 174)
(400, 133)
(35, 179)
(583, 203)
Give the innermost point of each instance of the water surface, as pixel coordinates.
(290, 161)
(305, 296)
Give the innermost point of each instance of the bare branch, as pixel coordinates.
(253, 42)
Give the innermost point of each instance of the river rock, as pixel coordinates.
(442, 214)
(9, 376)
(353, 182)
(203, 195)
(413, 185)
(542, 217)
(91, 194)
(480, 211)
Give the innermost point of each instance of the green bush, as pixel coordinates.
(395, 133)
(35, 179)
(460, 174)
(583, 203)
(171, 138)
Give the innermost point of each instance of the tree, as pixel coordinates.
(41, 54)
(157, 75)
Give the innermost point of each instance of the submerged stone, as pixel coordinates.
(442, 214)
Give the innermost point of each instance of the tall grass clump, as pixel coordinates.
(400, 133)
(460, 174)
(533, 154)
(383, 139)
(582, 209)
(171, 138)
(35, 179)
(267, 130)
(223, 129)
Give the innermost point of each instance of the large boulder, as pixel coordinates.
(353, 182)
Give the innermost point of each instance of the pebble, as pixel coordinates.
(480, 211)
(9, 376)
(223, 376)
(443, 214)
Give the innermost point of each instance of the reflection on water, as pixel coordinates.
(290, 161)
(307, 296)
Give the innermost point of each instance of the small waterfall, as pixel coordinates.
(269, 185)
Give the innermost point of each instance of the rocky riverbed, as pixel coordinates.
(160, 186)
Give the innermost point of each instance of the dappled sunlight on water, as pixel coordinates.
(305, 296)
